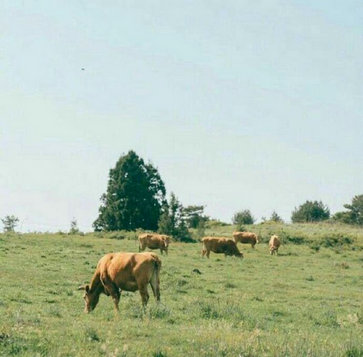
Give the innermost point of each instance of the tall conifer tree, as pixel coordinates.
(134, 197)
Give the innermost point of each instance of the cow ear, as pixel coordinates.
(84, 287)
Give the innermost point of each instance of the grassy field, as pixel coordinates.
(308, 301)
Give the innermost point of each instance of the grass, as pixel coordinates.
(304, 302)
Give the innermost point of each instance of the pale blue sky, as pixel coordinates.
(240, 104)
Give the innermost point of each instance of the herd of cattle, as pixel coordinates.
(134, 271)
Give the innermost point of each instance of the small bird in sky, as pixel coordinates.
(82, 69)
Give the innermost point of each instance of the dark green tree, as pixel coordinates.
(275, 217)
(10, 222)
(134, 197)
(343, 217)
(173, 220)
(74, 227)
(243, 217)
(354, 215)
(310, 211)
(194, 216)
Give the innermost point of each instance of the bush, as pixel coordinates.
(335, 240)
(295, 239)
(276, 218)
(310, 212)
(354, 215)
(315, 246)
(243, 217)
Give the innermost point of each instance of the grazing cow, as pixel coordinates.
(274, 244)
(123, 271)
(220, 245)
(246, 237)
(167, 241)
(154, 241)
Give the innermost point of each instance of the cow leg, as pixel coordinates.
(155, 286)
(112, 290)
(208, 252)
(115, 294)
(144, 295)
(116, 299)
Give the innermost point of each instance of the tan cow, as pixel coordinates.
(274, 244)
(220, 245)
(154, 241)
(123, 271)
(246, 237)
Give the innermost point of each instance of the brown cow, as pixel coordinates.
(274, 244)
(154, 241)
(123, 271)
(246, 237)
(220, 245)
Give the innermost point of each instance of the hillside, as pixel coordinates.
(304, 302)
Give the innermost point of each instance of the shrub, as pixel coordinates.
(354, 215)
(275, 217)
(310, 212)
(335, 240)
(243, 217)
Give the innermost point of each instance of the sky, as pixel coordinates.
(239, 104)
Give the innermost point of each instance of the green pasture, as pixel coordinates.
(305, 302)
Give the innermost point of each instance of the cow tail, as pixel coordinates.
(155, 276)
(157, 265)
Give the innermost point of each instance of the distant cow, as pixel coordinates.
(123, 271)
(246, 237)
(154, 241)
(274, 244)
(220, 245)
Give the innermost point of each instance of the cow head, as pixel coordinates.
(239, 254)
(233, 250)
(166, 240)
(90, 298)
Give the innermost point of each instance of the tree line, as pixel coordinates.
(136, 199)
(311, 211)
